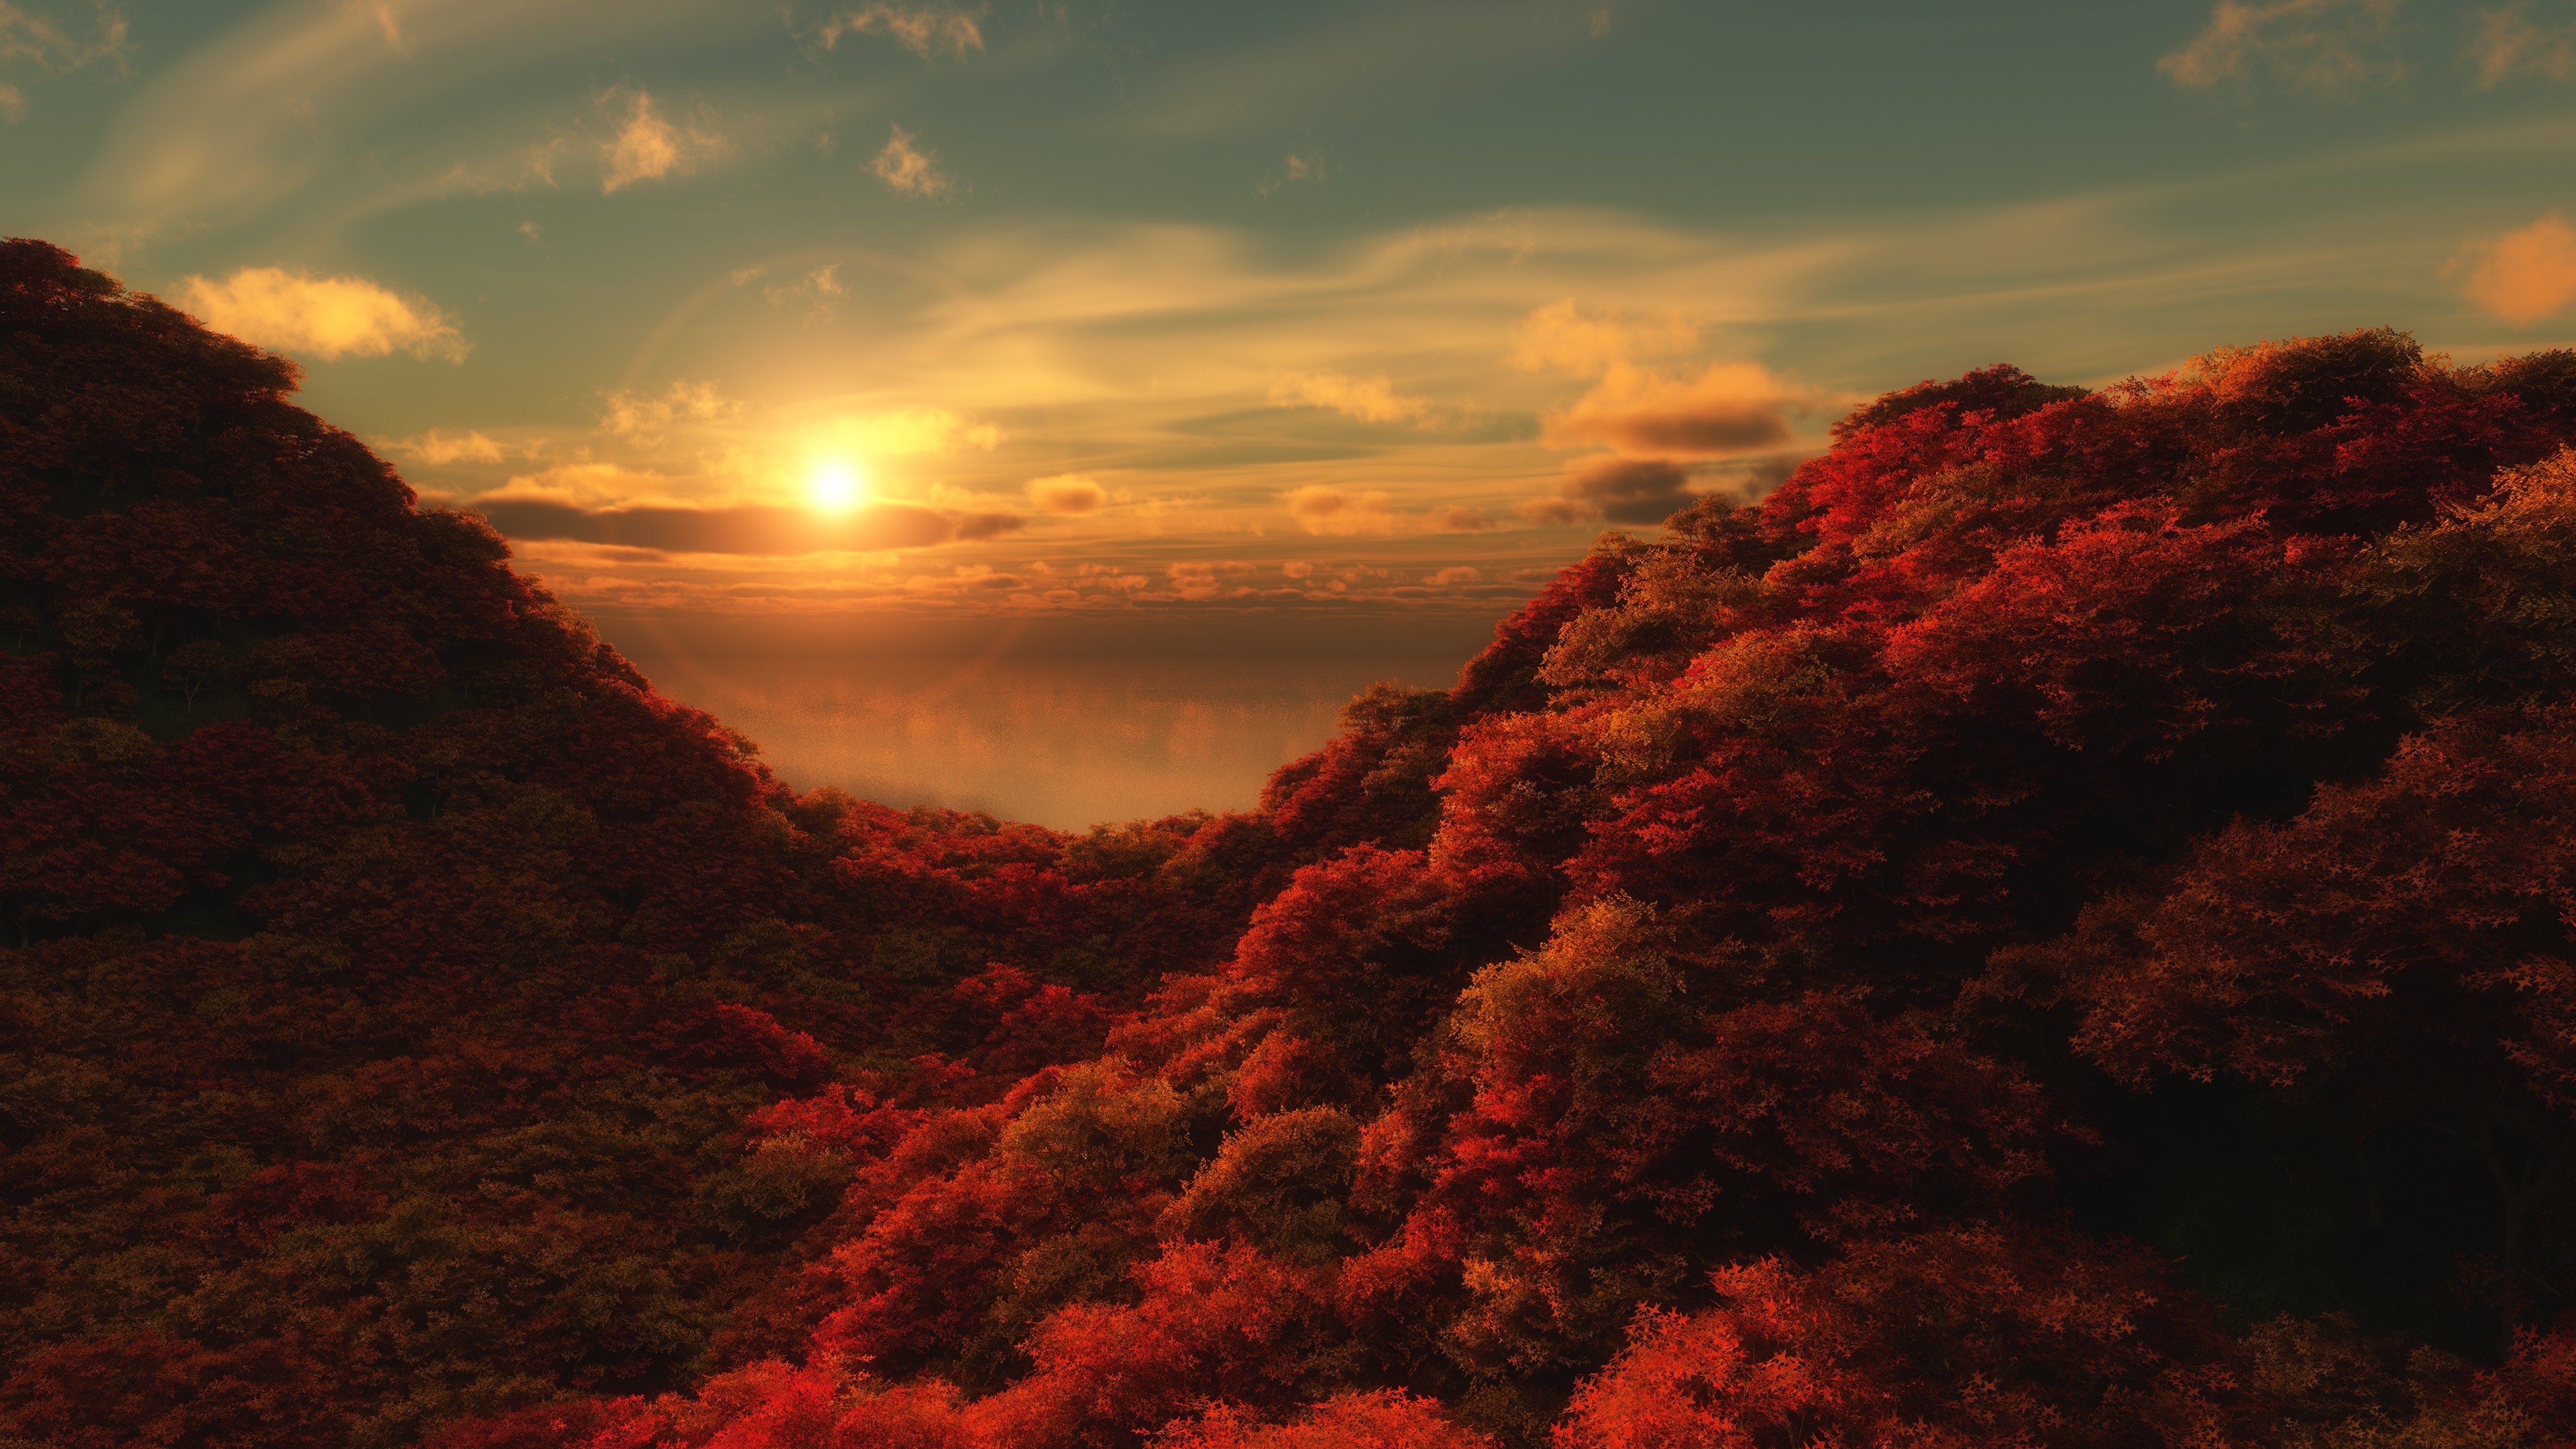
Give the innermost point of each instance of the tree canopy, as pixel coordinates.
(2053, 927)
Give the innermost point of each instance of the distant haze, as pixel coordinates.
(1059, 724)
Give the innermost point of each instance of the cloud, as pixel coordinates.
(1733, 407)
(647, 147)
(643, 420)
(325, 317)
(1455, 574)
(1460, 520)
(1551, 510)
(13, 102)
(909, 169)
(1370, 399)
(2508, 44)
(2526, 275)
(910, 431)
(1623, 490)
(1300, 166)
(388, 24)
(743, 529)
(1322, 509)
(923, 30)
(820, 290)
(602, 484)
(1069, 493)
(2321, 46)
(1562, 337)
(27, 36)
(436, 448)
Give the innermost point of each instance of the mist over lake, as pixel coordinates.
(1059, 726)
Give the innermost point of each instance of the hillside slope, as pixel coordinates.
(391, 972)
(2051, 928)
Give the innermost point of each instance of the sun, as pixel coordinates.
(835, 486)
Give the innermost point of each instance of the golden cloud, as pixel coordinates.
(436, 448)
(648, 147)
(1732, 407)
(923, 30)
(909, 169)
(1562, 337)
(2527, 275)
(325, 317)
(643, 420)
(1067, 493)
(902, 432)
(1321, 509)
(819, 291)
(1370, 399)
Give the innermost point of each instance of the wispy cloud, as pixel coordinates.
(2508, 44)
(46, 42)
(388, 23)
(911, 432)
(818, 292)
(438, 448)
(647, 146)
(2524, 276)
(644, 420)
(926, 31)
(325, 317)
(48, 45)
(909, 169)
(1369, 399)
(1300, 166)
(2322, 46)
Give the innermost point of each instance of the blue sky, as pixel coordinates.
(896, 307)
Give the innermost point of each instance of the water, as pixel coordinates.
(1027, 728)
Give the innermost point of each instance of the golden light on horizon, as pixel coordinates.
(835, 486)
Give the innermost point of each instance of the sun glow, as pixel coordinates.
(835, 486)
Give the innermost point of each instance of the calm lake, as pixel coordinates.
(1056, 728)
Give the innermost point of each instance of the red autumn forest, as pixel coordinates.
(2050, 928)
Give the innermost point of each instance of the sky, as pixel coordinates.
(1338, 314)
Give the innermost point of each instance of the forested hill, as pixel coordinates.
(2052, 928)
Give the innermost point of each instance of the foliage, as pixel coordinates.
(2052, 928)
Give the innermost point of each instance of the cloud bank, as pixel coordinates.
(742, 529)
(325, 317)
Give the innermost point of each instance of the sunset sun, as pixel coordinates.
(835, 486)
